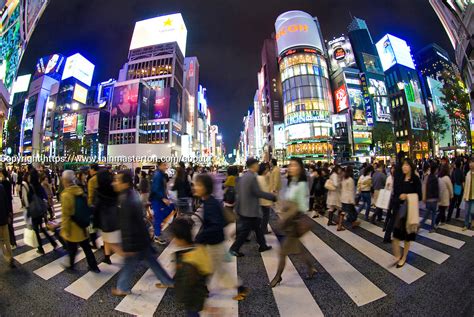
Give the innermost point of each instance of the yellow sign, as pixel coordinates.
(291, 29)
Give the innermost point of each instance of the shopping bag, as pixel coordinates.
(383, 201)
(29, 237)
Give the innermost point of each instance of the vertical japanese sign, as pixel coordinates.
(368, 104)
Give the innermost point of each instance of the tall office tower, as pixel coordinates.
(307, 99)
(146, 112)
(190, 143)
(432, 60)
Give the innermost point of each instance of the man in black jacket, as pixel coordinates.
(136, 243)
(4, 232)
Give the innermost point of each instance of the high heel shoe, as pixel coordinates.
(401, 265)
(275, 282)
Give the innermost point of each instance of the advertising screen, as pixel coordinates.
(393, 50)
(362, 137)
(342, 100)
(413, 91)
(12, 42)
(51, 65)
(296, 28)
(309, 149)
(367, 103)
(279, 135)
(79, 67)
(160, 30)
(340, 53)
(299, 131)
(161, 106)
(81, 120)
(69, 123)
(92, 122)
(125, 101)
(21, 83)
(80, 94)
(418, 118)
(381, 102)
(357, 103)
(306, 116)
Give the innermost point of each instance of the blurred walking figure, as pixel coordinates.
(264, 183)
(388, 224)
(297, 195)
(106, 214)
(136, 244)
(431, 195)
(193, 266)
(14, 180)
(212, 234)
(457, 179)
(35, 201)
(74, 204)
(348, 197)
(5, 215)
(378, 181)
(469, 196)
(333, 185)
(445, 194)
(91, 191)
(8, 187)
(183, 188)
(317, 193)
(144, 188)
(230, 194)
(160, 203)
(275, 177)
(248, 209)
(407, 193)
(364, 187)
(49, 193)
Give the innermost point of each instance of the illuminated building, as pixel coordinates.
(409, 116)
(152, 81)
(351, 128)
(306, 91)
(190, 107)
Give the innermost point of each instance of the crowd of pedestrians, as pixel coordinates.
(130, 212)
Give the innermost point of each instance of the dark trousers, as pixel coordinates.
(11, 231)
(246, 225)
(377, 214)
(311, 203)
(37, 224)
(389, 224)
(265, 218)
(455, 203)
(72, 251)
(349, 209)
(441, 214)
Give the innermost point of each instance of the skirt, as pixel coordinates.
(112, 237)
(291, 245)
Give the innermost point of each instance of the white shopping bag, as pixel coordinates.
(29, 237)
(383, 201)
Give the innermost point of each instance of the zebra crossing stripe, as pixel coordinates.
(455, 229)
(415, 247)
(407, 273)
(454, 243)
(30, 255)
(23, 223)
(360, 289)
(291, 296)
(91, 282)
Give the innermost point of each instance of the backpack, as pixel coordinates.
(432, 187)
(82, 213)
(37, 207)
(229, 195)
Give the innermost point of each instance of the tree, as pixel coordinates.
(13, 134)
(73, 146)
(456, 103)
(383, 136)
(438, 125)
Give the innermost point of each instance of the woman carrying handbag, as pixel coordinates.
(333, 185)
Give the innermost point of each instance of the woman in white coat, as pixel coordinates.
(446, 193)
(333, 200)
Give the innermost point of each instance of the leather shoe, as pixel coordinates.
(265, 248)
(236, 253)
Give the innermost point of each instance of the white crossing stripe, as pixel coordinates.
(454, 243)
(91, 282)
(23, 223)
(54, 268)
(455, 229)
(407, 273)
(30, 255)
(360, 289)
(415, 247)
(292, 296)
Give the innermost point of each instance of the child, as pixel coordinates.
(193, 266)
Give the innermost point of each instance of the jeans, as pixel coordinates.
(130, 264)
(469, 212)
(245, 225)
(367, 202)
(455, 203)
(389, 224)
(441, 214)
(431, 207)
(160, 212)
(265, 218)
(72, 250)
(349, 209)
(37, 224)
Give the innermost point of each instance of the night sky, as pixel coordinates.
(225, 35)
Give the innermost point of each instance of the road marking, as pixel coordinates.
(30, 255)
(455, 229)
(91, 282)
(415, 247)
(23, 223)
(408, 273)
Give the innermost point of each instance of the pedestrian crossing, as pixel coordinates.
(293, 297)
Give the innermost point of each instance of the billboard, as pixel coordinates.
(92, 122)
(340, 53)
(297, 28)
(435, 88)
(80, 94)
(380, 99)
(69, 123)
(413, 91)
(367, 103)
(21, 83)
(356, 100)
(51, 65)
(160, 30)
(279, 135)
(393, 50)
(342, 100)
(80, 124)
(307, 116)
(418, 117)
(125, 101)
(79, 67)
(299, 131)
(161, 106)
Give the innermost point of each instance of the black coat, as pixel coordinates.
(134, 232)
(212, 231)
(106, 213)
(4, 213)
(182, 187)
(7, 186)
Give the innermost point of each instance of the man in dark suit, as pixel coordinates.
(248, 208)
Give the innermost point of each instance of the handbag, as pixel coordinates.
(329, 185)
(457, 190)
(29, 238)
(303, 224)
(383, 201)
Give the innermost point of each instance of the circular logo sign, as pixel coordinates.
(339, 53)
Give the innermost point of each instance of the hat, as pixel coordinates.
(251, 161)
